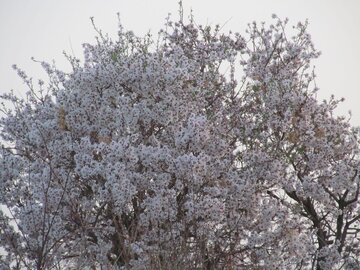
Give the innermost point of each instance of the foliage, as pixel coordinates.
(151, 155)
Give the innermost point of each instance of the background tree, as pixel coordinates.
(152, 155)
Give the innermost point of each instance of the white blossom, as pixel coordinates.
(156, 156)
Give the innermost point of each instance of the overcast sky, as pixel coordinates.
(45, 28)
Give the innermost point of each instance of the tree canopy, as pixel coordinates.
(196, 149)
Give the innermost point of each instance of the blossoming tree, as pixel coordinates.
(202, 150)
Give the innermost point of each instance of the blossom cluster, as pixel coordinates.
(157, 155)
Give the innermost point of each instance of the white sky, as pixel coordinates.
(45, 28)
